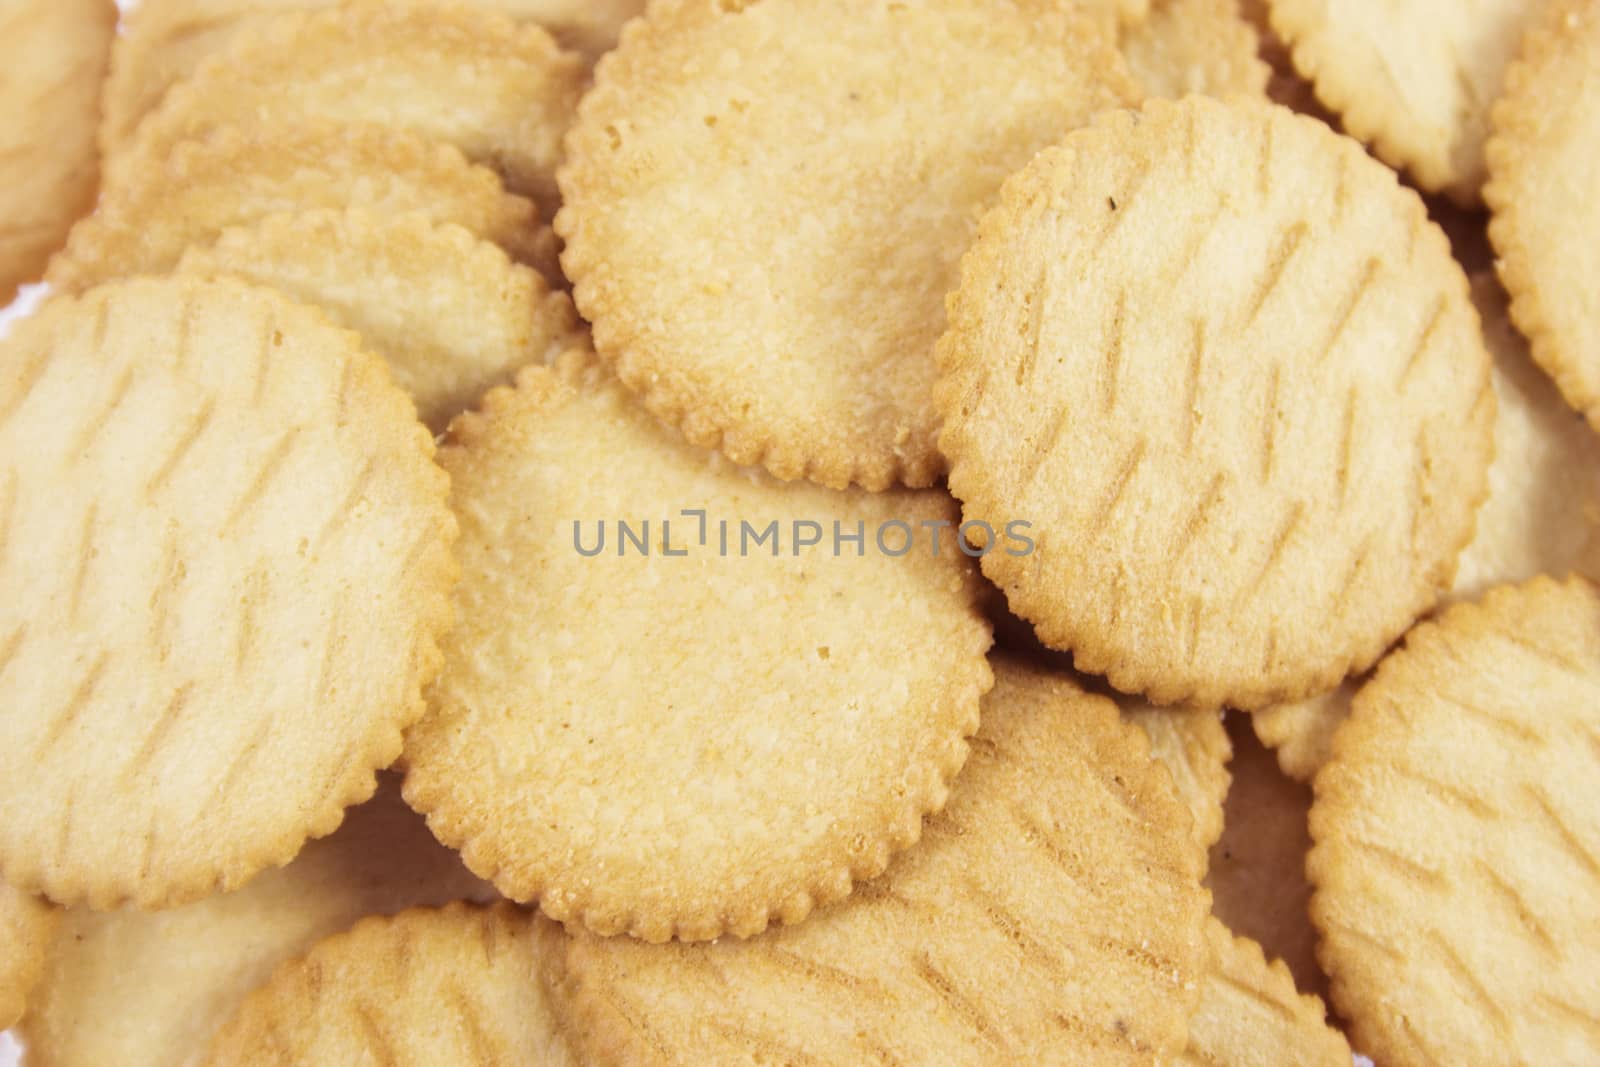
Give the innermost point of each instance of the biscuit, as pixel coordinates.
(53, 57)
(1050, 915)
(27, 928)
(1412, 78)
(448, 311)
(236, 177)
(1257, 872)
(1195, 46)
(1194, 747)
(150, 989)
(1225, 366)
(462, 984)
(227, 563)
(1542, 517)
(456, 73)
(1546, 225)
(1250, 1014)
(1456, 862)
(692, 773)
(822, 179)
(165, 41)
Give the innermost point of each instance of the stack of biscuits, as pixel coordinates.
(793, 532)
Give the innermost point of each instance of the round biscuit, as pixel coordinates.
(617, 737)
(1226, 368)
(53, 56)
(1414, 79)
(1546, 219)
(226, 551)
(459, 985)
(449, 312)
(237, 176)
(763, 243)
(453, 72)
(1456, 862)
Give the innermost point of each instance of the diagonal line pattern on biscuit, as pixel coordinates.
(1113, 346)
(180, 450)
(81, 561)
(1466, 979)
(765, 1046)
(485, 1048)
(1014, 929)
(1126, 471)
(1453, 794)
(1254, 995)
(1584, 1018)
(1347, 310)
(89, 434)
(262, 481)
(263, 360)
(1370, 942)
(820, 973)
(959, 1003)
(375, 1036)
(27, 381)
(1518, 904)
(1564, 832)
(1399, 864)
(1424, 343)
(1496, 722)
(1551, 658)
(1196, 368)
(12, 645)
(1197, 522)
(1281, 539)
(153, 741)
(1288, 246)
(82, 694)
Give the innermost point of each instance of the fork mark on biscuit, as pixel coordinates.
(1014, 929)
(1287, 528)
(1510, 728)
(1269, 424)
(82, 559)
(1399, 864)
(1119, 484)
(1035, 300)
(1288, 246)
(1254, 995)
(1588, 1020)
(1191, 393)
(1197, 521)
(1347, 310)
(88, 434)
(485, 1048)
(1550, 658)
(26, 383)
(1098, 1036)
(69, 820)
(341, 514)
(1264, 160)
(1043, 449)
(1517, 903)
(1341, 191)
(8, 509)
(1174, 274)
(958, 1002)
(375, 1036)
(1352, 576)
(269, 469)
(76, 703)
(1191, 637)
(241, 759)
(1456, 795)
(185, 345)
(1347, 440)
(1032, 832)
(244, 643)
(1369, 942)
(604, 993)
(823, 973)
(1168, 969)
(341, 409)
(196, 427)
(1467, 980)
(1569, 839)
(1424, 341)
(1269, 651)
(156, 738)
(263, 361)
(12, 646)
(777, 1050)
(1112, 375)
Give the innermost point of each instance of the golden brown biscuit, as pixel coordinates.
(237, 176)
(1250, 1014)
(226, 555)
(463, 984)
(764, 722)
(52, 60)
(451, 72)
(1546, 224)
(1194, 46)
(1051, 915)
(763, 243)
(1225, 366)
(27, 928)
(149, 989)
(1412, 78)
(449, 312)
(165, 41)
(1457, 855)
